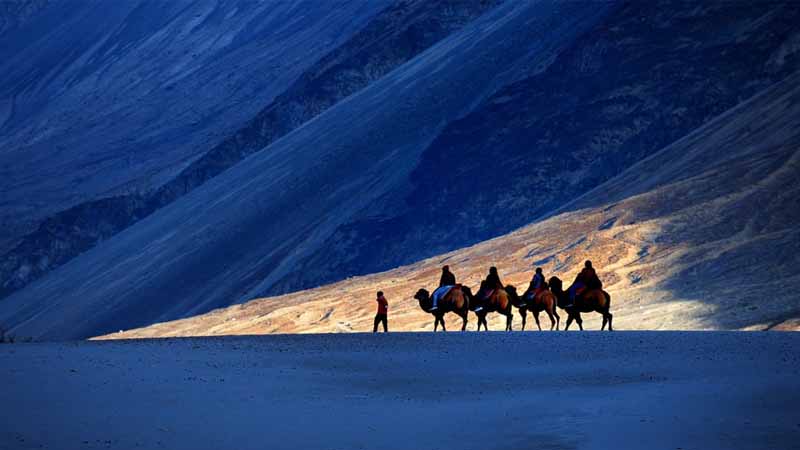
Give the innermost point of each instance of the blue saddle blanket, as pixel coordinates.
(439, 293)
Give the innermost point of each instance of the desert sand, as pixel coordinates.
(625, 390)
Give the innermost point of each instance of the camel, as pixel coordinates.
(455, 301)
(591, 300)
(544, 301)
(498, 302)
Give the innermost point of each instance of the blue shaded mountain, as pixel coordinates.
(639, 80)
(503, 115)
(394, 35)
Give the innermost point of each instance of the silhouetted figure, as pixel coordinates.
(446, 282)
(447, 279)
(382, 315)
(490, 284)
(586, 279)
(493, 279)
(537, 282)
(537, 285)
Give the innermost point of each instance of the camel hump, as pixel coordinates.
(607, 296)
(444, 294)
(503, 298)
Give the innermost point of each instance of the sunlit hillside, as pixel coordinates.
(701, 235)
(167, 161)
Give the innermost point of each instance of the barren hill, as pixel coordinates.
(348, 144)
(702, 235)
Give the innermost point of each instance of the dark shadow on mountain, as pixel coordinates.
(651, 73)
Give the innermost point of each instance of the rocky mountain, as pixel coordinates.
(428, 127)
(700, 235)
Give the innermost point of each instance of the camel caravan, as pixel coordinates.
(585, 295)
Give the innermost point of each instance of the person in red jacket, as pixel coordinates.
(382, 315)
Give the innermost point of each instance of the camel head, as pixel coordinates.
(474, 300)
(424, 298)
(513, 296)
(555, 285)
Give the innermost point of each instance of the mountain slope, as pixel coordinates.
(511, 116)
(702, 235)
(391, 37)
(100, 98)
(646, 75)
(239, 233)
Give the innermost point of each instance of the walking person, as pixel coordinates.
(382, 315)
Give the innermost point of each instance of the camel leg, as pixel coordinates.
(464, 322)
(605, 319)
(569, 321)
(579, 320)
(524, 318)
(536, 316)
(435, 324)
(509, 319)
(485, 324)
(558, 319)
(610, 316)
(443, 327)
